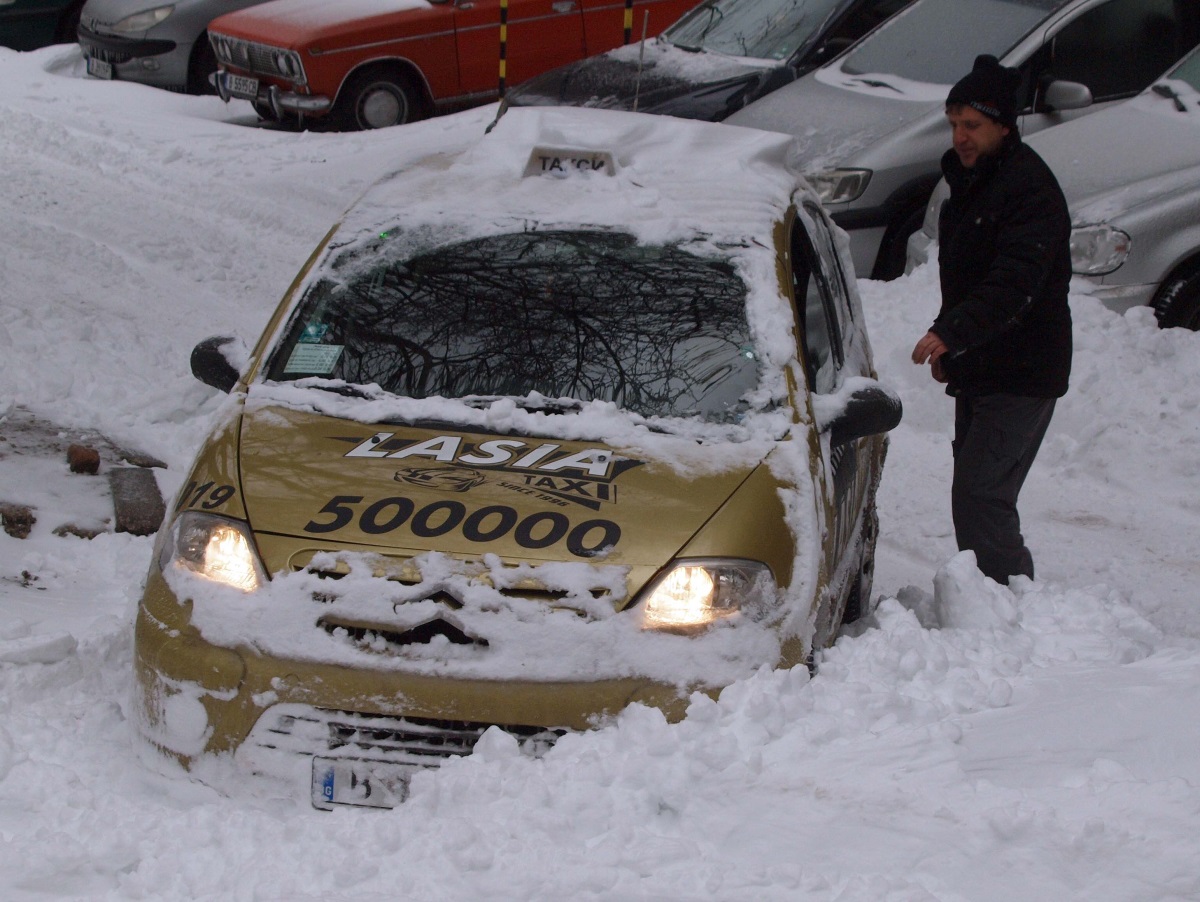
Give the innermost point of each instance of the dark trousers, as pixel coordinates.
(996, 438)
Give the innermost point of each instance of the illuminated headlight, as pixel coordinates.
(695, 594)
(1098, 249)
(836, 186)
(143, 20)
(287, 64)
(215, 548)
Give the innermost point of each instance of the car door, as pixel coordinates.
(1116, 49)
(828, 328)
(541, 35)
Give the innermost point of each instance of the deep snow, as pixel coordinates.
(975, 743)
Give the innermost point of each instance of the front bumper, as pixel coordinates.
(159, 62)
(115, 49)
(1116, 297)
(274, 715)
(281, 104)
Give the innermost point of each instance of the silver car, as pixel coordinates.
(160, 44)
(1131, 175)
(872, 122)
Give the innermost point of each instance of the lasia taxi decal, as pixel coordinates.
(449, 479)
(545, 469)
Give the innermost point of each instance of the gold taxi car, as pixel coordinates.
(578, 416)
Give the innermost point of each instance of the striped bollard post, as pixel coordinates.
(503, 46)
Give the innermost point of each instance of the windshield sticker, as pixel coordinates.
(313, 333)
(315, 359)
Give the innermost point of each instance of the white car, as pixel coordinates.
(872, 126)
(1131, 175)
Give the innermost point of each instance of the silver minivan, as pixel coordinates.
(872, 126)
(1131, 175)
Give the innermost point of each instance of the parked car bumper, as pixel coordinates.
(279, 102)
(154, 61)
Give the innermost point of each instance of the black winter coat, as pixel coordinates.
(1005, 258)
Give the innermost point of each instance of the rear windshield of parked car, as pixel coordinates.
(936, 41)
(569, 314)
(760, 29)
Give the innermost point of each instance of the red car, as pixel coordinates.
(359, 64)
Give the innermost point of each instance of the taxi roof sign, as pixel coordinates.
(564, 162)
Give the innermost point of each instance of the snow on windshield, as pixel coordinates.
(480, 194)
(764, 29)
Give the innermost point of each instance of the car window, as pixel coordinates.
(568, 314)
(762, 29)
(864, 16)
(1146, 36)
(831, 264)
(1189, 70)
(816, 310)
(936, 41)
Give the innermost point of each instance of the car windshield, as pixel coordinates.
(762, 29)
(584, 315)
(936, 41)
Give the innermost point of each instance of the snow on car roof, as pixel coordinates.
(712, 188)
(673, 179)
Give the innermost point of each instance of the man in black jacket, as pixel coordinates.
(1002, 340)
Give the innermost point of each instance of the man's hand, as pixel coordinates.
(928, 350)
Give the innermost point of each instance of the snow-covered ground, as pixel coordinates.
(980, 744)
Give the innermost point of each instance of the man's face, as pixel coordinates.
(975, 135)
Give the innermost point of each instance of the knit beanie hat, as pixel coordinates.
(989, 88)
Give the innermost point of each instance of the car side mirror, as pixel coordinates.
(868, 409)
(1066, 95)
(215, 361)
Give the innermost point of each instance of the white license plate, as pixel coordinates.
(241, 86)
(352, 781)
(98, 68)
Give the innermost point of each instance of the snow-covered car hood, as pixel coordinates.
(831, 122)
(1123, 156)
(297, 23)
(435, 486)
(659, 78)
(109, 12)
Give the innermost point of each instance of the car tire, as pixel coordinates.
(378, 98)
(893, 250)
(858, 599)
(1177, 303)
(202, 64)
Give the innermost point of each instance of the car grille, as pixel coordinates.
(258, 59)
(109, 56)
(419, 741)
(402, 571)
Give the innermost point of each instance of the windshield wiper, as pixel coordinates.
(543, 405)
(1164, 90)
(349, 391)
